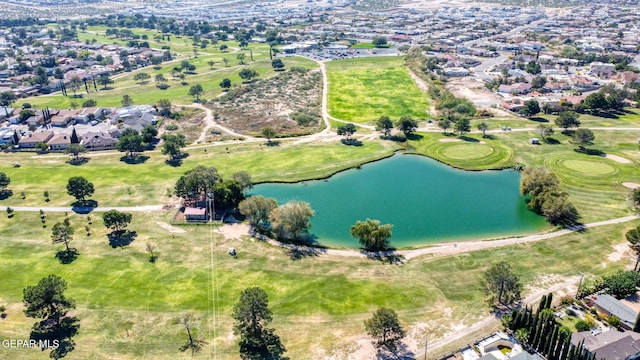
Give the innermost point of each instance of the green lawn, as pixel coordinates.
(364, 45)
(318, 302)
(362, 90)
(119, 183)
(593, 182)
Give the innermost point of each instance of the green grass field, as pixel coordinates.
(119, 183)
(362, 90)
(319, 303)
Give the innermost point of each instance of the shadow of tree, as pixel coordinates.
(469, 139)
(401, 352)
(551, 141)
(273, 143)
(5, 194)
(47, 332)
(351, 142)
(84, 207)
(177, 160)
(140, 159)
(414, 136)
(590, 151)
(388, 256)
(78, 161)
(121, 238)
(297, 252)
(67, 257)
(539, 119)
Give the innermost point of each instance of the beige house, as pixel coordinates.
(59, 141)
(30, 141)
(93, 141)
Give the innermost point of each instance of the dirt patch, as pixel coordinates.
(169, 228)
(473, 90)
(630, 185)
(633, 302)
(234, 231)
(189, 124)
(618, 159)
(289, 102)
(619, 252)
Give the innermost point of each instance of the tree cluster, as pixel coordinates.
(622, 284)
(202, 183)
(502, 284)
(540, 331)
(371, 234)
(546, 197)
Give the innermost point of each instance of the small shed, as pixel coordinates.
(195, 213)
(534, 141)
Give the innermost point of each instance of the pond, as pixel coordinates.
(426, 201)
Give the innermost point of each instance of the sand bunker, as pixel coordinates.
(618, 159)
(630, 185)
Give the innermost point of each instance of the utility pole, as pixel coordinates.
(425, 348)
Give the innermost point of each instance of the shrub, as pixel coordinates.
(582, 325)
(613, 321)
(171, 127)
(566, 300)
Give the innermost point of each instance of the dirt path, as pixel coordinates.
(422, 85)
(210, 123)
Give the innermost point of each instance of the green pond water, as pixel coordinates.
(426, 201)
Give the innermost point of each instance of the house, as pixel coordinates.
(59, 142)
(609, 305)
(30, 141)
(6, 112)
(517, 88)
(602, 70)
(8, 137)
(610, 345)
(195, 213)
(93, 141)
(584, 84)
(456, 71)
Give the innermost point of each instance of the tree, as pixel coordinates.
(141, 77)
(533, 67)
(544, 131)
(567, 119)
(502, 284)
(223, 47)
(62, 233)
(535, 179)
(104, 80)
(385, 125)
(116, 221)
(126, 100)
(130, 142)
(463, 126)
(371, 234)
(240, 57)
(160, 79)
(80, 188)
(247, 74)
(75, 83)
(194, 344)
(173, 145)
(225, 61)
(291, 221)
(559, 211)
(75, 150)
(164, 107)
(531, 107)
(633, 237)
(346, 130)
(538, 82)
(257, 210)
(252, 315)
(407, 125)
(385, 327)
(634, 197)
(269, 133)
(483, 126)
(225, 84)
(444, 124)
(583, 137)
(211, 63)
(636, 325)
(7, 98)
(277, 64)
(5, 180)
(244, 179)
(149, 133)
(595, 102)
(195, 91)
(46, 299)
(379, 41)
(197, 182)
(622, 284)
